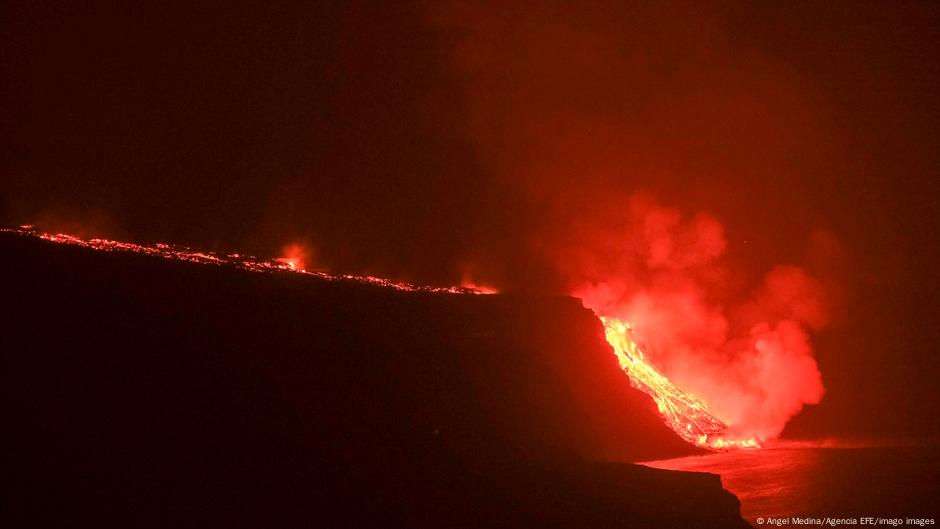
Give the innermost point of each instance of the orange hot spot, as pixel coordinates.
(476, 287)
(294, 256)
(683, 412)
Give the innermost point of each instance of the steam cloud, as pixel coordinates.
(573, 113)
(750, 360)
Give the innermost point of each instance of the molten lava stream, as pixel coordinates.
(685, 413)
(292, 262)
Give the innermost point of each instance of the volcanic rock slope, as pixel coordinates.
(141, 392)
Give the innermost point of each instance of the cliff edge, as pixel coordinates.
(141, 392)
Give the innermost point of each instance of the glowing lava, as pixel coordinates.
(295, 257)
(292, 262)
(685, 413)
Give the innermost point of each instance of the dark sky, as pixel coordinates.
(426, 141)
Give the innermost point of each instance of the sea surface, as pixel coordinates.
(808, 481)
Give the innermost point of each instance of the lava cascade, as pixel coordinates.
(685, 413)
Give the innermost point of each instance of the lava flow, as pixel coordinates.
(291, 263)
(686, 414)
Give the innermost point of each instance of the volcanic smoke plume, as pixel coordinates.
(580, 118)
(750, 360)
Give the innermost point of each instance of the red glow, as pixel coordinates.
(295, 256)
(482, 288)
(293, 262)
(686, 414)
(722, 374)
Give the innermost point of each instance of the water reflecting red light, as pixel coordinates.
(804, 480)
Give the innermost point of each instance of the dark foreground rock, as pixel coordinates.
(139, 392)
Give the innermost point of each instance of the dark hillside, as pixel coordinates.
(139, 392)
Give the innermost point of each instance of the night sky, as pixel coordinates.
(431, 141)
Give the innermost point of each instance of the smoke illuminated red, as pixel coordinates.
(576, 117)
(723, 370)
(478, 287)
(295, 256)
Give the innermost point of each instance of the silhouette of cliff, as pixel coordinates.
(141, 392)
